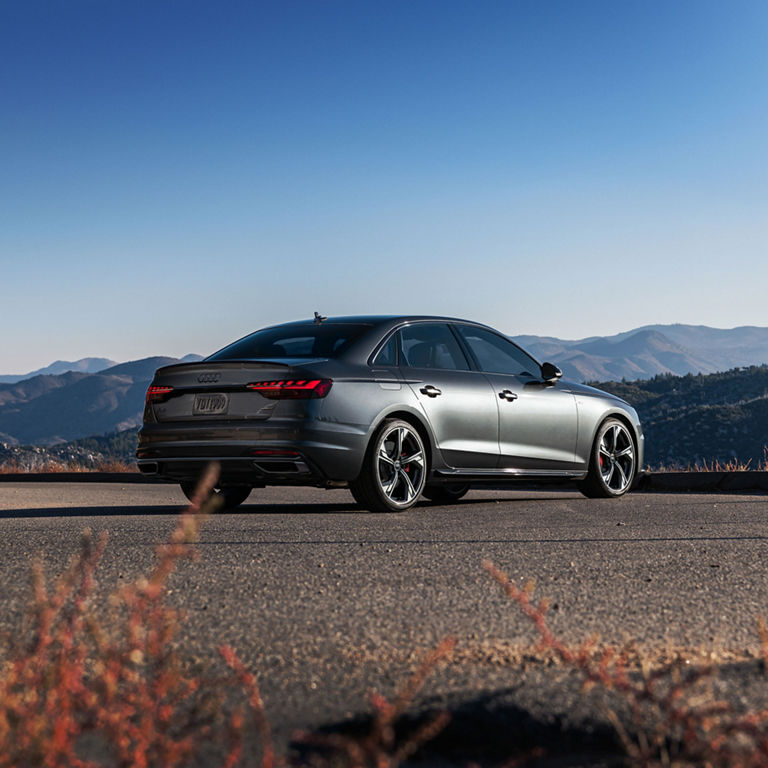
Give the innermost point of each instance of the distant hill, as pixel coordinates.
(45, 410)
(693, 419)
(85, 365)
(652, 350)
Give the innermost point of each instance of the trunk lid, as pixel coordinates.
(217, 390)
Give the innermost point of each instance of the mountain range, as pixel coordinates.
(50, 409)
(652, 350)
(85, 365)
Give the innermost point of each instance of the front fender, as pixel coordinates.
(592, 413)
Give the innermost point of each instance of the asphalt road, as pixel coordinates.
(325, 601)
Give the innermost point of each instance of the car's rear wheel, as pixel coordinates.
(445, 494)
(394, 469)
(231, 495)
(612, 465)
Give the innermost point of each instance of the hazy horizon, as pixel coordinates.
(179, 355)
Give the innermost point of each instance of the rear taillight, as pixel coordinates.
(156, 394)
(284, 389)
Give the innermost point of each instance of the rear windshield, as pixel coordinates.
(311, 340)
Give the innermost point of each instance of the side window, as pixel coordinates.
(388, 353)
(431, 345)
(495, 354)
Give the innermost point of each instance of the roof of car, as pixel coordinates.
(375, 319)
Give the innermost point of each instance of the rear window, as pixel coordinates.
(311, 340)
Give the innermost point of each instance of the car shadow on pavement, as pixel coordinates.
(108, 511)
(351, 507)
(289, 508)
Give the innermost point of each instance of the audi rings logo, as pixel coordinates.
(208, 378)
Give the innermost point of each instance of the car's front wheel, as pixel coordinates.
(231, 495)
(394, 469)
(612, 465)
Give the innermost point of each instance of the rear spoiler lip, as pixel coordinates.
(286, 362)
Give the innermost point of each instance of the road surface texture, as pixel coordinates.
(325, 601)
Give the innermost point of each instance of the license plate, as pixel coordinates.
(210, 404)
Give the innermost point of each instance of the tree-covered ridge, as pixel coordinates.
(117, 445)
(695, 419)
(86, 453)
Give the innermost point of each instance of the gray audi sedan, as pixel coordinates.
(393, 408)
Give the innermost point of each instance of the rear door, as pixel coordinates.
(538, 420)
(457, 401)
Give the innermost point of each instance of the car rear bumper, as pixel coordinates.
(261, 455)
(237, 470)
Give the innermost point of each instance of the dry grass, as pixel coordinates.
(51, 466)
(10, 468)
(714, 465)
(77, 691)
(674, 718)
(48, 466)
(114, 465)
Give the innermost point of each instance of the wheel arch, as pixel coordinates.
(619, 416)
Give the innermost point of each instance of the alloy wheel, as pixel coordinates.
(616, 455)
(400, 465)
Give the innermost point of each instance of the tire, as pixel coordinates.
(445, 494)
(231, 495)
(394, 469)
(612, 464)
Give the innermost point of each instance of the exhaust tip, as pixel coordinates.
(149, 468)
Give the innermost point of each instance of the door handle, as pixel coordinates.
(508, 395)
(430, 391)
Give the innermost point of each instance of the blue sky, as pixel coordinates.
(176, 173)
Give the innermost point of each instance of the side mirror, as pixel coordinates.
(550, 372)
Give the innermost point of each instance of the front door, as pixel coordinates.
(538, 420)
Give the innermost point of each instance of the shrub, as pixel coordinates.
(78, 691)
